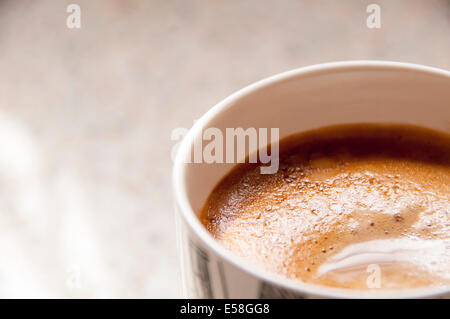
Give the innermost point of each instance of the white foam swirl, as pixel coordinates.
(430, 255)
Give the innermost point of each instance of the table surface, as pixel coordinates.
(86, 117)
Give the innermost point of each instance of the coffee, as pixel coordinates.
(353, 206)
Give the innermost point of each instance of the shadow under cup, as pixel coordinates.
(295, 101)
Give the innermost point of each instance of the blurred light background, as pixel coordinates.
(86, 117)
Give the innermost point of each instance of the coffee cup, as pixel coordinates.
(295, 101)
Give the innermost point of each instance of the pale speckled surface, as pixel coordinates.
(86, 117)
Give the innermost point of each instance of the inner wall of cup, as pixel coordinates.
(317, 99)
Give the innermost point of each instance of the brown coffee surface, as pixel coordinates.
(354, 206)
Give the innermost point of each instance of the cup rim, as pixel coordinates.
(189, 216)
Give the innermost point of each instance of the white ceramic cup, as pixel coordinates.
(295, 101)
